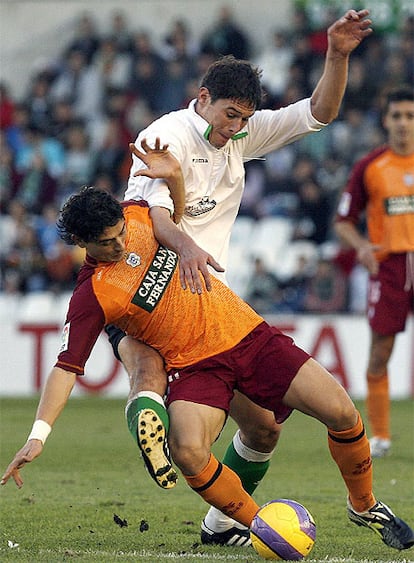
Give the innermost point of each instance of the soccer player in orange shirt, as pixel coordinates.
(381, 186)
(212, 343)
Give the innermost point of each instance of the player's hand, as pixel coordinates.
(159, 161)
(193, 268)
(366, 257)
(346, 34)
(31, 450)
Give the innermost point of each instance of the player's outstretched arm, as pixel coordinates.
(344, 35)
(54, 397)
(162, 164)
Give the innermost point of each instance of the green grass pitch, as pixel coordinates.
(90, 474)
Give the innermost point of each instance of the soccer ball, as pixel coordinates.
(283, 529)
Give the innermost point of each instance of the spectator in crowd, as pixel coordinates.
(86, 38)
(313, 213)
(262, 291)
(294, 286)
(38, 103)
(9, 177)
(6, 107)
(354, 135)
(326, 290)
(15, 134)
(360, 89)
(36, 186)
(147, 71)
(12, 224)
(275, 61)
(79, 160)
(26, 262)
(46, 230)
(179, 44)
(81, 84)
(174, 87)
(331, 175)
(38, 143)
(112, 65)
(226, 37)
(120, 33)
(62, 118)
(254, 189)
(111, 152)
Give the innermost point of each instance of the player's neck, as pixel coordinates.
(402, 149)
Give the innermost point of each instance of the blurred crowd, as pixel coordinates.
(79, 112)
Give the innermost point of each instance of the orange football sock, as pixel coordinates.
(351, 452)
(218, 485)
(378, 405)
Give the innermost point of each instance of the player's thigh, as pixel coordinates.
(314, 391)
(193, 429)
(258, 428)
(144, 365)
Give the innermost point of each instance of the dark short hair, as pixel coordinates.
(234, 79)
(87, 214)
(400, 94)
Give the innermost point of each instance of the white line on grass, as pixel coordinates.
(147, 556)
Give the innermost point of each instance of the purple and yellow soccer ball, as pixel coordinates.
(283, 529)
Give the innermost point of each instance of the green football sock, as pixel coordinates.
(137, 405)
(250, 472)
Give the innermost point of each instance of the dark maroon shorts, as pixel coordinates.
(388, 302)
(261, 367)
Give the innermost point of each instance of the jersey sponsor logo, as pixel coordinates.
(203, 206)
(65, 338)
(156, 279)
(133, 260)
(399, 205)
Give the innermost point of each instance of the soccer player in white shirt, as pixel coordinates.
(211, 139)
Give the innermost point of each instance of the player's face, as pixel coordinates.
(110, 246)
(399, 123)
(226, 117)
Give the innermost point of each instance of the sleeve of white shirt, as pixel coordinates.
(271, 129)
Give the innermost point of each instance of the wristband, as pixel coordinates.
(40, 431)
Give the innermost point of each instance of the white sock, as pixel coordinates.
(247, 453)
(150, 394)
(219, 522)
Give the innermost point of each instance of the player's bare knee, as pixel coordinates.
(344, 417)
(262, 438)
(189, 458)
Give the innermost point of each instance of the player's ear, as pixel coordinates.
(203, 96)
